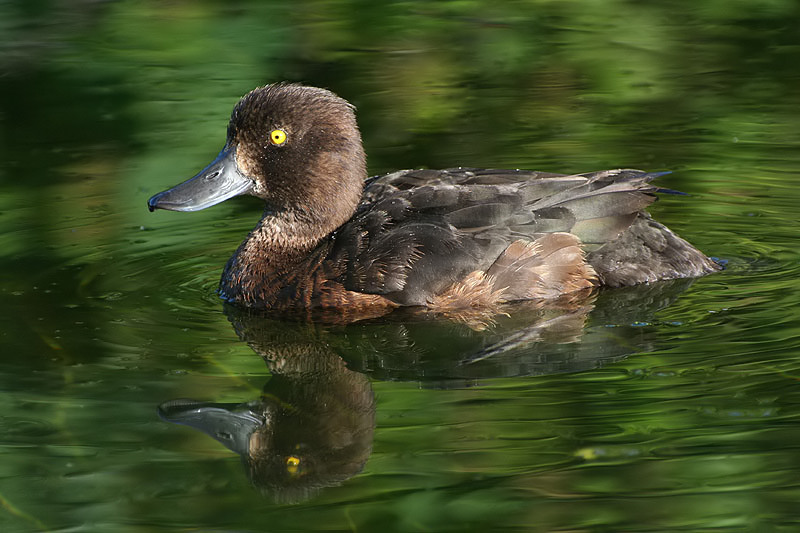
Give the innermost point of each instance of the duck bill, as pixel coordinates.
(229, 424)
(214, 184)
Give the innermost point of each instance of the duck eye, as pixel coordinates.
(292, 464)
(278, 137)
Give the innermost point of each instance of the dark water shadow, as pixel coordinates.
(312, 425)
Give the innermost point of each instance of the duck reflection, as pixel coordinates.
(312, 426)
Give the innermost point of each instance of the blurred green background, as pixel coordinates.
(109, 310)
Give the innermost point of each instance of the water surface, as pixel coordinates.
(669, 407)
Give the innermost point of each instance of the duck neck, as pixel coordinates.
(271, 256)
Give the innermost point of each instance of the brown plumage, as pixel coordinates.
(443, 239)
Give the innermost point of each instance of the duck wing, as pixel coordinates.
(418, 232)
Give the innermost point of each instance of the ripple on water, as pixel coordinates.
(18, 430)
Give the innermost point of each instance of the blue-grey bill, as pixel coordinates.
(216, 183)
(229, 424)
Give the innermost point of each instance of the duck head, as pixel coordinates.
(297, 148)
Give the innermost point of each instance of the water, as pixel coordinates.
(662, 408)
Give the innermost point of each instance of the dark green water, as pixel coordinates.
(674, 407)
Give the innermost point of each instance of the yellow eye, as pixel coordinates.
(292, 462)
(277, 137)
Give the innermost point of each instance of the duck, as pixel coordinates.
(333, 238)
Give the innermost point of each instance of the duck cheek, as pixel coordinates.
(252, 161)
(259, 190)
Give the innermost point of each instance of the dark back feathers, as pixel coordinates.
(448, 223)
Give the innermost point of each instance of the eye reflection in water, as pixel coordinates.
(312, 426)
